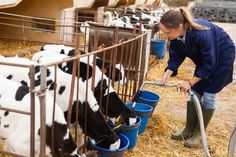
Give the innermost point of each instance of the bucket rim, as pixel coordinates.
(111, 151)
(156, 40)
(137, 124)
(158, 97)
(150, 108)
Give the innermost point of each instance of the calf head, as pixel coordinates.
(115, 107)
(63, 142)
(68, 68)
(94, 123)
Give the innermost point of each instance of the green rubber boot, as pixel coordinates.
(191, 121)
(195, 140)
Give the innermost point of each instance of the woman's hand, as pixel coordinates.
(184, 86)
(166, 76)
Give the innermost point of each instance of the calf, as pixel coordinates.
(15, 127)
(110, 20)
(96, 124)
(69, 51)
(115, 106)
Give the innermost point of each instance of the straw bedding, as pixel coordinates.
(170, 113)
(169, 116)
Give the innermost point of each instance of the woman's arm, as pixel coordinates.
(175, 60)
(194, 80)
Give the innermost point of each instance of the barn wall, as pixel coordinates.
(38, 8)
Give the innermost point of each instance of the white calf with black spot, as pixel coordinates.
(15, 128)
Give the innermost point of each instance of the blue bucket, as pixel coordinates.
(148, 98)
(144, 111)
(102, 152)
(131, 132)
(158, 47)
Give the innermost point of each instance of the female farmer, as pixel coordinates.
(212, 51)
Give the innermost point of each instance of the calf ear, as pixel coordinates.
(42, 48)
(24, 83)
(62, 52)
(71, 52)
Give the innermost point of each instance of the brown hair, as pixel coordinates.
(173, 18)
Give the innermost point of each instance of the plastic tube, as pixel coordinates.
(201, 123)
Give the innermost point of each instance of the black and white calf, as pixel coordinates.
(119, 71)
(61, 49)
(96, 124)
(131, 18)
(15, 127)
(110, 20)
(69, 51)
(108, 95)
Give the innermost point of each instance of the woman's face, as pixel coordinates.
(172, 33)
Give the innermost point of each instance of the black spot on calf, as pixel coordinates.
(62, 52)
(52, 86)
(21, 92)
(6, 126)
(37, 82)
(61, 89)
(48, 72)
(37, 69)
(6, 113)
(9, 77)
(49, 82)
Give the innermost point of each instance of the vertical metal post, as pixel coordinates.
(143, 59)
(32, 111)
(131, 49)
(96, 34)
(137, 63)
(42, 100)
(116, 38)
(71, 93)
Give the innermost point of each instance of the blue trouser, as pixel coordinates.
(207, 100)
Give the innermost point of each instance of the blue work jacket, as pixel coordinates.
(213, 53)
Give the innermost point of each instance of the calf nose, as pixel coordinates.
(115, 145)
